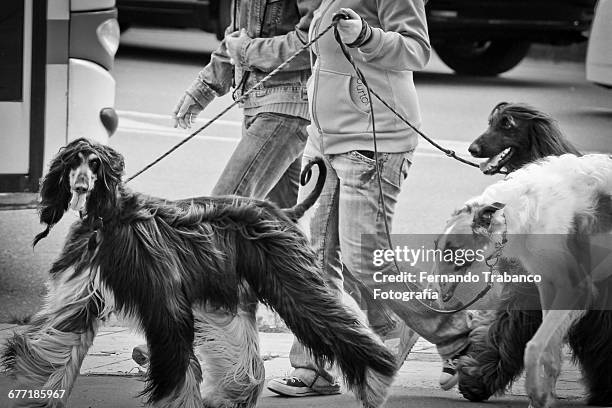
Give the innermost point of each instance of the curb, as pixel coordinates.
(18, 201)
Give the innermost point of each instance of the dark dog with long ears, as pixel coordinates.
(517, 135)
(168, 266)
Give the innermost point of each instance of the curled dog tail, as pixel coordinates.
(297, 211)
(282, 270)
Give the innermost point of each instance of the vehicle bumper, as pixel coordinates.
(91, 95)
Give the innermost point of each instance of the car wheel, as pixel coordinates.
(484, 58)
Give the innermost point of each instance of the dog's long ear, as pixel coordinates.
(55, 190)
(484, 216)
(546, 138)
(112, 166)
(495, 110)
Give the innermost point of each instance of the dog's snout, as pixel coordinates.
(81, 184)
(81, 189)
(475, 149)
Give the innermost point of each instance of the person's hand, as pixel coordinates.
(186, 111)
(233, 43)
(350, 29)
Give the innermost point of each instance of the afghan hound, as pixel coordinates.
(554, 217)
(168, 266)
(517, 135)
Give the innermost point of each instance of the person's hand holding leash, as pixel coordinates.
(186, 111)
(353, 29)
(187, 108)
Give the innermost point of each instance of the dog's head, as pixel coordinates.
(468, 239)
(84, 175)
(518, 134)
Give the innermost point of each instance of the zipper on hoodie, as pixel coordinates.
(316, 74)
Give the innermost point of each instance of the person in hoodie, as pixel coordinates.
(388, 40)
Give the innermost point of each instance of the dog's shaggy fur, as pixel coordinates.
(558, 204)
(518, 134)
(168, 266)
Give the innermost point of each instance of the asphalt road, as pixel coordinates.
(113, 392)
(152, 69)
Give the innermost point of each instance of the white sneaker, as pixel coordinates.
(294, 387)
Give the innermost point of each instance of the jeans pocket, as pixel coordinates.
(396, 168)
(406, 165)
(362, 157)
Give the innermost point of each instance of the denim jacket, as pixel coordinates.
(277, 29)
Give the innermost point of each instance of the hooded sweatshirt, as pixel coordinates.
(338, 101)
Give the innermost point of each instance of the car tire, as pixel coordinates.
(482, 58)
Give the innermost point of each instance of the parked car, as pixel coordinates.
(599, 52)
(474, 37)
(488, 37)
(56, 82)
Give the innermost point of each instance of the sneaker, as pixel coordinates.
(449, 376)
(294, 387)
(140, 354)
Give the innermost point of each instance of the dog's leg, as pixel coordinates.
(543, 356)
(49, 354)
(497, 344)
(553, 259)
(174, 374)
(187, 394)
(589, 340)
(228, 346)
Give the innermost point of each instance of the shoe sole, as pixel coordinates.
(288, 391)
(293, 394)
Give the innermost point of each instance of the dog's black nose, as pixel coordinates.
(474, 149)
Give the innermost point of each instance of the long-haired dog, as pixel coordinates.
(555, 218)
(168, 266)
(518, 134)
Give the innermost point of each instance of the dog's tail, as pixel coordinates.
(282, 270)
(297, 211)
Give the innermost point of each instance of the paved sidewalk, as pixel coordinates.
(112, 351)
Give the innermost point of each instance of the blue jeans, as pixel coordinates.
(350, 206)
(267, 161)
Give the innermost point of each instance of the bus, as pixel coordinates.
(55, 82)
